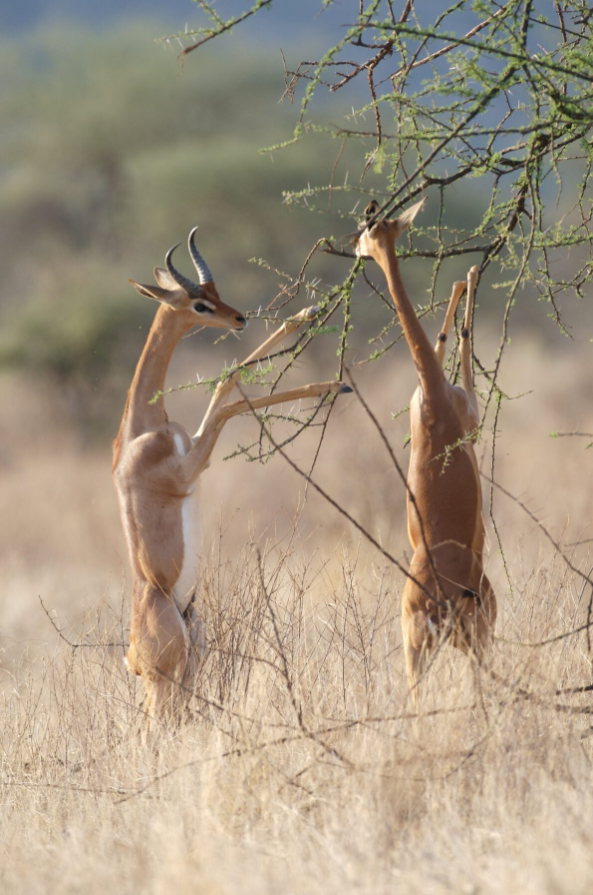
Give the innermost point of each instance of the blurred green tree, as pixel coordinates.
(483, 105)
(110, 154)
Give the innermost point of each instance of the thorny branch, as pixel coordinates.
(493, 105)
(484, 109)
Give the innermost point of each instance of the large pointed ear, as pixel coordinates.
(167, 296)
(404, 220)
(164, 279)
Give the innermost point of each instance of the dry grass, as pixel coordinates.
(305, 767)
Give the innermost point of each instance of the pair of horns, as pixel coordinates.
(204, 272)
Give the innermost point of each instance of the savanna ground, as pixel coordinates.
(305, 767)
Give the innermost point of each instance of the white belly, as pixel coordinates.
(191, 526)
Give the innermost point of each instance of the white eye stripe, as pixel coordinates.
(201, 306)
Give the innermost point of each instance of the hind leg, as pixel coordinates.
(197, 649)
(158, 650)
(415, 664)
(479, 627)
(485, 623)
(160, 701)
(418, 641)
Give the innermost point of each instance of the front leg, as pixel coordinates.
(223, 389)
(441, 345)
(314, 390)
(198, 457)
(465, 349)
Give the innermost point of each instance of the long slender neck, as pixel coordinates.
(429, 370)
(149, 379)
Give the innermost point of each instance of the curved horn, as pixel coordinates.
(204, 272)
(178, 277)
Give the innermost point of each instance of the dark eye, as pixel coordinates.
(202, 308)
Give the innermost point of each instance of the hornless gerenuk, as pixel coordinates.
(447, 594)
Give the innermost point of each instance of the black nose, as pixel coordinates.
(241, 320)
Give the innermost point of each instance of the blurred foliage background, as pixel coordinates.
(111, 151)
(110, 154)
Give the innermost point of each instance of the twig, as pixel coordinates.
(72, 645)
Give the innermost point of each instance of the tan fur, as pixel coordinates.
(445, 522)
(156, 465)
(151, 487)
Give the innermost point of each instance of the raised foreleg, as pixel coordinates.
(197, 458)
(441, 344)
(465, 351)
(223, 389)
(314, 390)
